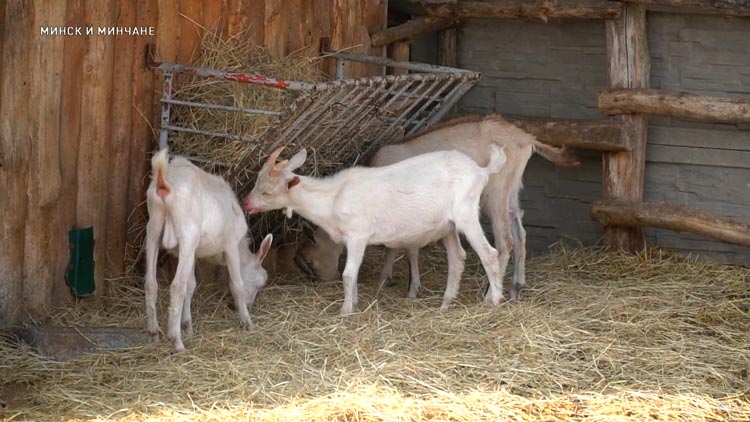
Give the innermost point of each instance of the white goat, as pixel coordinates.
(200, 217)
(411, 203)
(470, 135)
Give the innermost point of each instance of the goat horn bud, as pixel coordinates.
(274, 156)
(276, 169)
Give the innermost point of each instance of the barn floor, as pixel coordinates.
(596, 337)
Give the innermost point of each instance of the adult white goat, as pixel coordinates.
(411, 203)
(194, 214)
(472, 136)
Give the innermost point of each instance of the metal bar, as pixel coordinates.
(247, 78)
(209, 133)
(166, 92)
(419, 67)
(204, 160)
(449, 101)
(339, 69)
(222, 107)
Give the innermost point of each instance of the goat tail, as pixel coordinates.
(558, 156)
(497, 159)
(159, 164)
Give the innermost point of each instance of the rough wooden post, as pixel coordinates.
(399, 51)
(446, 48)
(629, 67)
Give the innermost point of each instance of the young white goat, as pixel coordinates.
(408, 204)
(194, 214)
(472, 136)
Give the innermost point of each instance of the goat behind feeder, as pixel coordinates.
(194, 214)
(411, 203)
(472, 135)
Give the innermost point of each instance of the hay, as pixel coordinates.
(596, 337)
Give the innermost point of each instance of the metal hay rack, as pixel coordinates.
(343, 120)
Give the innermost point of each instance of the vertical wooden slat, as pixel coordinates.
(446, 48)
(93, 154)
(276, 24)
(399, 51)
(70, 128)
(142, 141)
(629, 67)
(191, 31)
(44, 177)
(120, 135)
(215, 15)
(14, 153)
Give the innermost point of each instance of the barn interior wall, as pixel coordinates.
(77, 118)
(556, 70)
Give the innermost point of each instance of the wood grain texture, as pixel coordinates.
(120, 138)
(190, 30)
(676, 218)
(595, 135)
(409, 30)
(446, 47)
(215, 15)
(14, 153)
(93, 153)
(512, 9)
(399, 51)
(676, 104)
(276, 25)
(623, 172)
(724, 7)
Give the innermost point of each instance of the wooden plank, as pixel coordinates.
(190, 30)
(120, 136)
(410, 29)
(628, 67)
(14, 154)
(399, 51)
(595, 135)
(675, 104)
(724, 7)
(446, 47)
(44, 178)
(93, 151)
(276, 25)
(349, 31)
(672, 217)
(215, 15)
(143, 136)
(70, 129)
(512, 9)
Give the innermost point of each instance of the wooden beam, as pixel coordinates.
(623, 172)
(409, 30)
(511, 9)
(677, 218)
(724, 7)
(596, 135)
(399, 51)
(675, 104)
(446, 48)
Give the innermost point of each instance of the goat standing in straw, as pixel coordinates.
(194, 214)
(472, 136)
(408, 204)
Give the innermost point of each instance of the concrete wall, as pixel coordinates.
(557, 69)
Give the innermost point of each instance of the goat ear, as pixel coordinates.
(265, 246)
(294, 181)
(297, 161)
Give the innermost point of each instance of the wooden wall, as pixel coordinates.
(77, 118)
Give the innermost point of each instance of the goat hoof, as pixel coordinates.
(495, 300)
(153, 335)
(246, 325)
(346, 311)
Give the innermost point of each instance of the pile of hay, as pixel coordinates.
(596, 336)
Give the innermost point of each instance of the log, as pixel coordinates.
(120, 136)
(675, 104)
(446, 48)
(677, 218)
(623, 172)
(595, 135)
(15, 128)
(723, 7)
(510, 9)
(409, 30)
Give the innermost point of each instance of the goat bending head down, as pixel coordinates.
(408, 204)
(194, 214)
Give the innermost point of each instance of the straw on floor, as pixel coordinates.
(597, 336)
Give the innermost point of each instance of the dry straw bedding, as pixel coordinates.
(596, 337)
